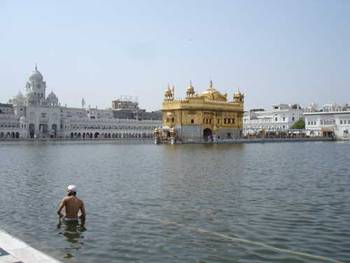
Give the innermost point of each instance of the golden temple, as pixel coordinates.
(207, 116)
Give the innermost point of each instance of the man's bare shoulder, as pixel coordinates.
(65, 198)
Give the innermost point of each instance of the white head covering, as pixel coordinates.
(72, 188)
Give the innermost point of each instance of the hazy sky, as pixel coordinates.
(274, 51)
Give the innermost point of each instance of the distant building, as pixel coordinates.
(206, 116)
(9, 122)
(6, 109)
(125, 108)
(331, 120)
(35, 115)
(280, 118)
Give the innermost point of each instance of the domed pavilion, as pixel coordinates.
(199, 117)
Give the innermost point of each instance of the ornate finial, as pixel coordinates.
(169, 93)
(190, 90)
(36, 66)
(211, 84)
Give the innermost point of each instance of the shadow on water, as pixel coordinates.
(73, 234)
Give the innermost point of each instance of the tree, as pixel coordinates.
(299, 124)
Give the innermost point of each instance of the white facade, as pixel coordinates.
(9, 122)
(36, 115)
(329, 123)
(280, 118)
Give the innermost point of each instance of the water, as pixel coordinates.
(278, 202)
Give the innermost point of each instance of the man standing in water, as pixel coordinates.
(72, 206)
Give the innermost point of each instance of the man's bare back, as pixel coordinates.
(72, 205)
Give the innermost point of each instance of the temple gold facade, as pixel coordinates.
(207, 116)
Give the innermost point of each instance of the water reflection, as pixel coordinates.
(183, 203)
(73, 233)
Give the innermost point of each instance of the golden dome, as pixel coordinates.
(213, 94)
(168, 93)
(190, 90)
(238, 97)
(237, 94)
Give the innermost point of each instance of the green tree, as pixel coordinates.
(299, 124)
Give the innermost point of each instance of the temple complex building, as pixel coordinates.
(37, 115)
(200, 117)
(331, 120)
(279, 119)
(128, 108)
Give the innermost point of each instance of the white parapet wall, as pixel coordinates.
(13, 250)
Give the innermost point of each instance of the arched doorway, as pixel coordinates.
(31, 130)
(43, 129)
(207, 134)
(54, 130)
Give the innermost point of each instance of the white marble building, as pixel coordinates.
(35, 115)
(331, 120)
(9, 122)
(280, 118)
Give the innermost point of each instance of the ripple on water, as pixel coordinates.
(189, 203)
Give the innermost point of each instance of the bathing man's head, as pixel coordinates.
(71, 190)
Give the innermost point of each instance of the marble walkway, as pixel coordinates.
(13, 250)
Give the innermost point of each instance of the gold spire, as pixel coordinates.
(190, 90)
(168, 94)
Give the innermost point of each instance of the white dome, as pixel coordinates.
(36, 75)
(19, 100)
(51, 96)
(52, 99)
